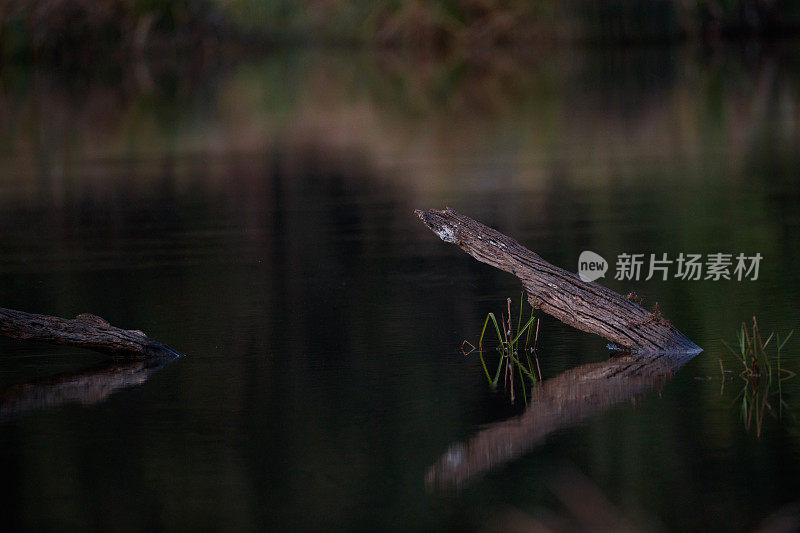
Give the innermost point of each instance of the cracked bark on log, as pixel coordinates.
(85, 331)
(587, 306)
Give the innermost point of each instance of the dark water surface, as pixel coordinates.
(259, 219)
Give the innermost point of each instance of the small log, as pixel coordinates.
(587, 306)
(561, 402)
(85, 330)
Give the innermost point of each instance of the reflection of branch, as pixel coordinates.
(86, 387)
(85, 330)
(560, 402)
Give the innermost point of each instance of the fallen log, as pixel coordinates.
(85, 331)
(563, 401)
(587, 306)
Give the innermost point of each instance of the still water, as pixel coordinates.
(258, 218)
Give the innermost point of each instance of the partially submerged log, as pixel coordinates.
(566, 400)
(587, 306)
(85, 330)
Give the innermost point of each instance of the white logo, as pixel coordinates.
(591, 266)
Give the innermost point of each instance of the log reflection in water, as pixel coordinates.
(560, 402)
(85, 387)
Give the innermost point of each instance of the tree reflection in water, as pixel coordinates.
(86, 387)
(557, 403)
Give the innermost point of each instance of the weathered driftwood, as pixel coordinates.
(85, 387)
(560, 402)
(587, 306)
(85, 331)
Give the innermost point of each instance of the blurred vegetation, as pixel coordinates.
(83, 31)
